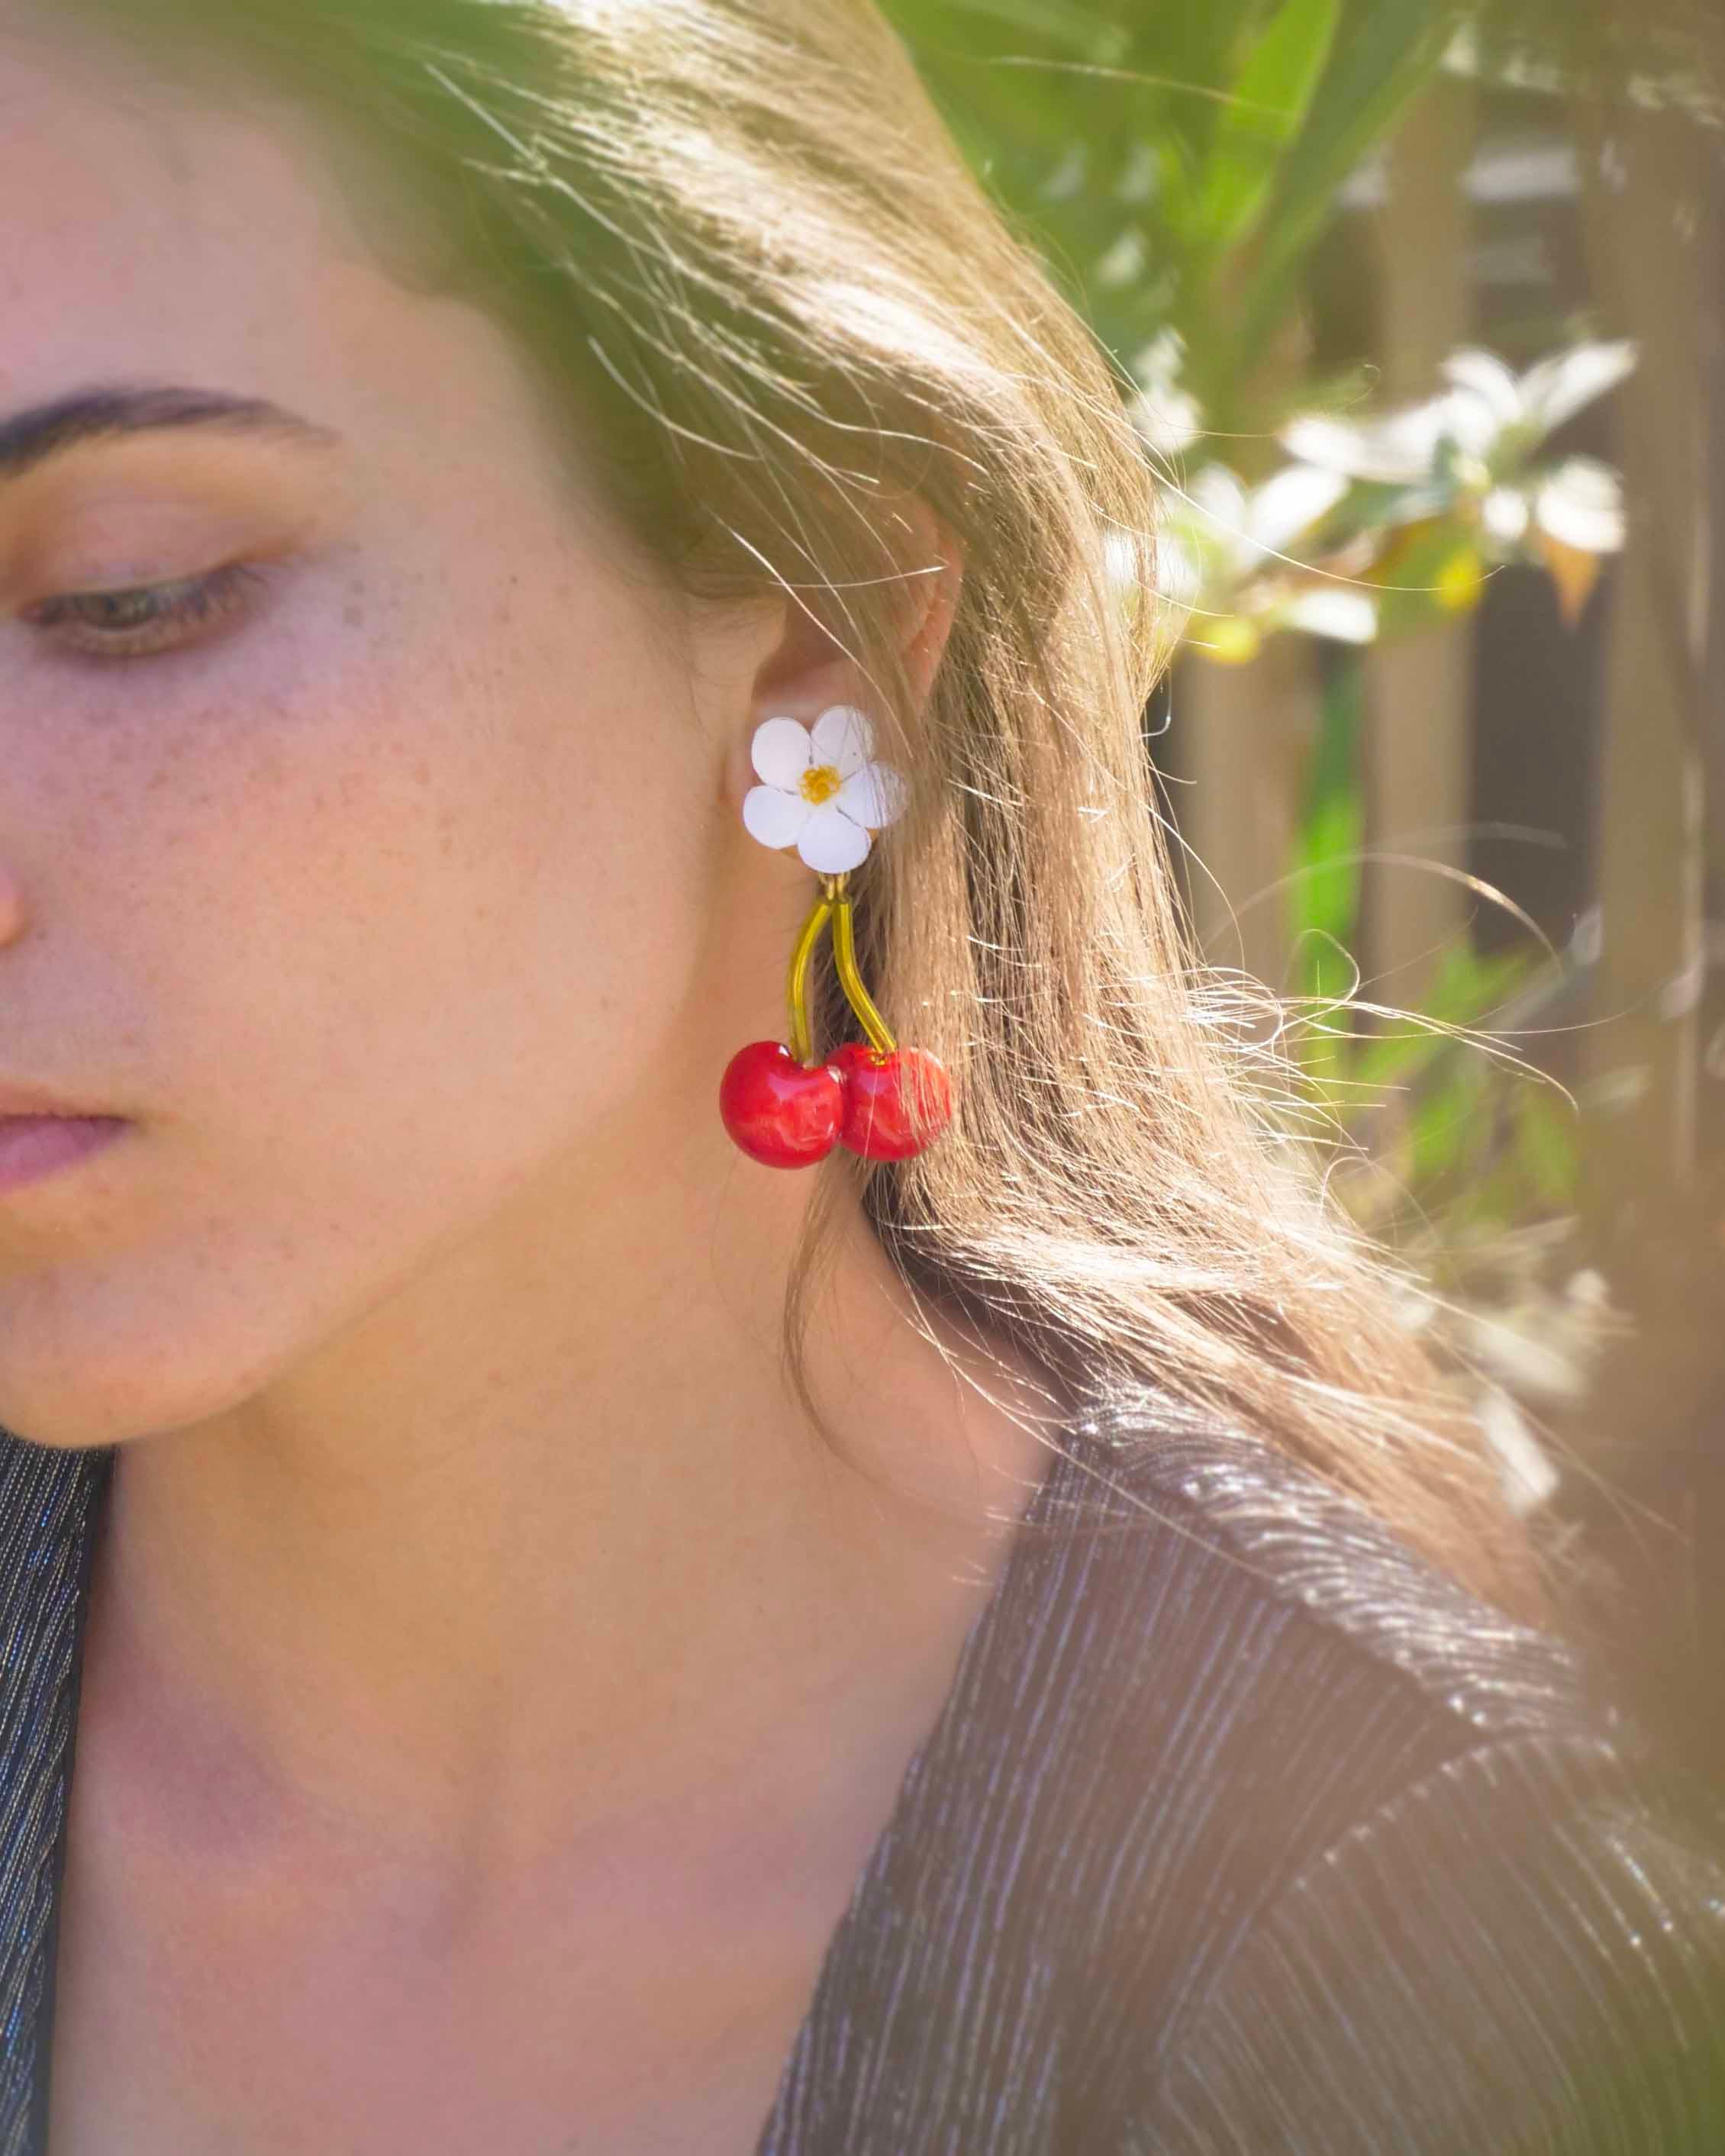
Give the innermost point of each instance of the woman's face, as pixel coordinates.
(393, 875)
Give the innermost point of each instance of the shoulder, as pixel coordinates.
(1523, 1950)
(1366, 1835)
(1214, 1631)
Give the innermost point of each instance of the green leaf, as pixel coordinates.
(1388, 50)
(1545, 1144)
(1467, 986)
(1464, 988)
(1447, 1125)
(1272, 97)
(1397, 1057)
(1324, 887)
(1079, 30)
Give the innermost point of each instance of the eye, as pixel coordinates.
(148, 618)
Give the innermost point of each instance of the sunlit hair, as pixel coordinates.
(766, 297)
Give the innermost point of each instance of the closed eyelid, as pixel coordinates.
(101, 529)
(249, 479)
(140, 476)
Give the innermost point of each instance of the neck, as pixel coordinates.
(543, 1537)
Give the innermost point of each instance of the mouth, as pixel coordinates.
(57, 1115)
(36, 1146)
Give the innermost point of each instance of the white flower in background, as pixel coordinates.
(821, 792)
(1167, 415)
(1494, 418)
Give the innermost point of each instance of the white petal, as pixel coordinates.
(1292, 502)
(1504, 513)
(1329, 611)
(1486, 379)
(781, 752)
(874, 796)
(831, 843)
(1581, 504)
(774, 818)
(843, 738)
(1555, 389)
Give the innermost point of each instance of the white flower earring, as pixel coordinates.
(823, 793)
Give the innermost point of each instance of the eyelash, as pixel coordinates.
(192, 604)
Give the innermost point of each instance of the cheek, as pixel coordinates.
(421, 887)
(397, 937)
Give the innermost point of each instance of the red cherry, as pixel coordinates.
(895, 1102)
(782, 1113)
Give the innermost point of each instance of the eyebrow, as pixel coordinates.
(31, 437)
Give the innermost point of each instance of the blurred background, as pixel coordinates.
(1422, 308)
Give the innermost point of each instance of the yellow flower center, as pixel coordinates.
(819, 782)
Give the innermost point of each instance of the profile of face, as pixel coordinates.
(381, 864)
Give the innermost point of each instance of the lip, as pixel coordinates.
(23, 1099)
(35, 1147)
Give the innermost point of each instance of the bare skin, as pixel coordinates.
(493, 1686)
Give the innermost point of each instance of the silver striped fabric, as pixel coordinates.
(1242, 1832)
(1245, 1833)
(48, 1513)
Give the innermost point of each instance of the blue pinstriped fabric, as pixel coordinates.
(1241, 1832)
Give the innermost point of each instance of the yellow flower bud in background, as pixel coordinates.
(1230, 639)
(1460, 581)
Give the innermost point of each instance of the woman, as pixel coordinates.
(570, 1637)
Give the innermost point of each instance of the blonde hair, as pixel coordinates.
(747, 262)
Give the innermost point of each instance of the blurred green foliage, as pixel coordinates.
(1176, 165)
(1445, 1132)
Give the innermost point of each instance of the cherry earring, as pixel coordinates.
(823, 793)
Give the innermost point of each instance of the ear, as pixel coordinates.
(805, 671)
(929, 597)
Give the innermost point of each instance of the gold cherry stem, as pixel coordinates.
(855, 994)
(801, 1044)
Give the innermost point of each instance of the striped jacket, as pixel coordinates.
(1241, 1832)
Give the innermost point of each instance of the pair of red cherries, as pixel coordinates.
(786, 1107)
(886, 1104)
